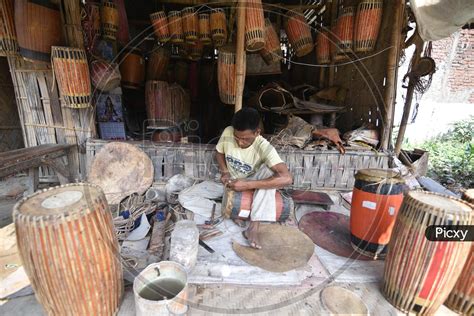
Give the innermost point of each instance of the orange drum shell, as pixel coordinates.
(190, 24)
(175, 26)
(132, 69)
(226, 75)
(299, 34)
(367, 25)
(323, 53)
(104, 76)
(71, 259)
(109, 18)
(218, 27)
(158, 103)
(271, 52)
(160, 26)
(254, 26)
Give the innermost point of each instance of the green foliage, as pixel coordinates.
(451, 159)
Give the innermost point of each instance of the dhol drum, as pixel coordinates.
(204, 29)
(254, 26)
(72, 74)
(461, 298)
(271, 52)
(180, 103)
(160, 26)
(105, 76)
(238, 205)
(190, 24)
(218, 27)
(367, 25)
(132, 69)
(299, 34)
(226, 74)
(419, 273)
(376, 199)
(345, 27)
(175, 27)
(158, 104)
(69, 250)
(38, 27)
(109, 18)
(323, 53)
(8, 41)
(157, 65)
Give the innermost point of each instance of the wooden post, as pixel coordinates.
(331, 77)
(392, 67)
(409, 97)
(240, 55)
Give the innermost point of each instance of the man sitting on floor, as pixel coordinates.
(247, 161)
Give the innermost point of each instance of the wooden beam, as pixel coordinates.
(240, 55)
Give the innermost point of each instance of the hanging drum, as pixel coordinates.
(323, 55)
(38, 27)
(175, 27)
(67, 244)
(238, 205)
(160, 26)
(376, 199)
(158, 64)
(218, 27)
(105, 76)
(419, 274)
(254, 26)
(271, 52)
(195, 50)
(109, 18)
(345, 27)
(367, 25)
(299, 34)
(72, 74)
(8, 41)
(132, 69)
(226, 74)
(204, 29)
(158, 104)
(190, 24)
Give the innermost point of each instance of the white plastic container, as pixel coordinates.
(184, 244)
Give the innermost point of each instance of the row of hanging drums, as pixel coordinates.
(419, 274)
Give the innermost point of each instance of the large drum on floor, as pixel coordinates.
(158, 104)
(461, 298)
(67, 244)
(376, 199)
(271, 52)
(367, 25)
(8, 41)
(157, 64)
(190, 24)
(419, 273)
(254, 26)
(175, 27)
(218, 27)
(299, 34)
(38, 27)
(72, 74)
(109, 18)
(226, 74)
(160, 26)
(132, 69)
(238, 205)
(323, 51)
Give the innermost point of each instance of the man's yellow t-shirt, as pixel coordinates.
(244, 162)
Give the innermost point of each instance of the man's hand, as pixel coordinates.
(225, 178)
(238, 185)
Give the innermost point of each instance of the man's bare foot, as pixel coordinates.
(252, 235)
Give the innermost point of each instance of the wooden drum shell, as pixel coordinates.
(226, 74)
(159, 20)
(345, 30)
(419, 274)
(132, 69)
(104, 76)
(109, 18)
(204, 29)
(367, 25)
(71, 71)
(158, 104)
(254, 26)
(323, 50)
(218, 27)
(299, 34)
(271, 52)
(8, 40)
(190, 24)
(175, 27)
(70, 255)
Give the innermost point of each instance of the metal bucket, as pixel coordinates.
(161, 289)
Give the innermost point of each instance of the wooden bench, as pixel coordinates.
(51, 155)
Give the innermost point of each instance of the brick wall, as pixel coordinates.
(454, 77)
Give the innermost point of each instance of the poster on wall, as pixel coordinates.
(110, 115)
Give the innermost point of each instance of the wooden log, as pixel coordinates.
(240, 55)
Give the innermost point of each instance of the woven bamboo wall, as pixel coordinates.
(310, 169)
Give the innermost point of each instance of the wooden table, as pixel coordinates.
(51, 155)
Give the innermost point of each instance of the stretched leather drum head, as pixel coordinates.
(283, 249)
(121, 169)
(340, 301)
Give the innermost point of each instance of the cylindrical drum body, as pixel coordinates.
(204, 29)
(323, 51)
(109, 18)
(132, 69)
(72, 74)
(226, 74)
(175, 26)
(158, 64)
(69, 250)
(271, 51)
(419, 273)
(367, 25)
(159, 20)
(38, 27)
(218, 27)
(376, 199)
(190, 24)
(158, 104)
(254, 26)
(299, 34)
(345, 27)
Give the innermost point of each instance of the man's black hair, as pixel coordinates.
(246, 119)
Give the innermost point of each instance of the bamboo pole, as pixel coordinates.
(332, 74)
(392, 66)
(240, 55)
(409, 97)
